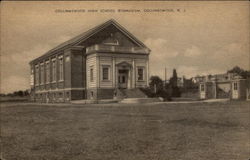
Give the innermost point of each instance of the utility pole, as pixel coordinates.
(165, 82)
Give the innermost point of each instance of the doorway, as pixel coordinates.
(235, 92)
(123, 78)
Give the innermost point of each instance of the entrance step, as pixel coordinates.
(140, 100)
(130, 93)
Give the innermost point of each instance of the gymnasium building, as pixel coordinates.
(98, 64)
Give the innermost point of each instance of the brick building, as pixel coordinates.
(92, 65)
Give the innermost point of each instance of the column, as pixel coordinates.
(133, 74)
(113, 72)
(44, 74)
(56, 71)
(215, 89)
(148, 72)
(97, 72)
(129, 78)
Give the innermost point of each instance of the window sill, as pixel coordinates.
(60, 80)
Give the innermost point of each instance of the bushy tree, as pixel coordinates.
(239, 71)
(156, 83)
(26, 93)
(156, 89)
(2, 95)
(20, 93)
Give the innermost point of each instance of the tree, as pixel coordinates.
(156, 89)
(175, 91)
(20, 93)
(156, 83)
(26, 93)
(239, 71)
(173, 79)
(2, 95)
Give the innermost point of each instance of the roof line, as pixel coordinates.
(85, 35)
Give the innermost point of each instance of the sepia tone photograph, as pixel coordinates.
(127, 80)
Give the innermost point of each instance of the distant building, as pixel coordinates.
(187, 84)
(248, 87)
(226, 85)
(91, 66)
(198, 79)
(180, 82)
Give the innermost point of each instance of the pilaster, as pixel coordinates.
(133, 74)
(113, 72)
(97, 72)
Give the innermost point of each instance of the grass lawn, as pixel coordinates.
(201, 131)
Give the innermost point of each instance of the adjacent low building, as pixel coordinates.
(92, 65)
(227, 85)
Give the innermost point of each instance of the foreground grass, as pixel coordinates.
(128, 132)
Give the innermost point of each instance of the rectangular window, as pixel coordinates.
(61, 68)
(235, 86)
(202, 87)
(47, 72)
(54, 70)
(32, 76)
(31, 70)
(105, 73)
(91, 74)
(37, 75)
(42, 73)
(140, 74)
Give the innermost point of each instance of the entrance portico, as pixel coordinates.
(124, 76)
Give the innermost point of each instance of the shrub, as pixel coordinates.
(164, 94)
(160, 93)
(176, 92)
(148, 91)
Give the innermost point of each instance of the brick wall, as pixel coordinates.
(77, 94)
(77, 69)
(105, 93)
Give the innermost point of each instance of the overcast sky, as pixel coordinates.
(203, 38)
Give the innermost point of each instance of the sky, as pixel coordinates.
(201, 38)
